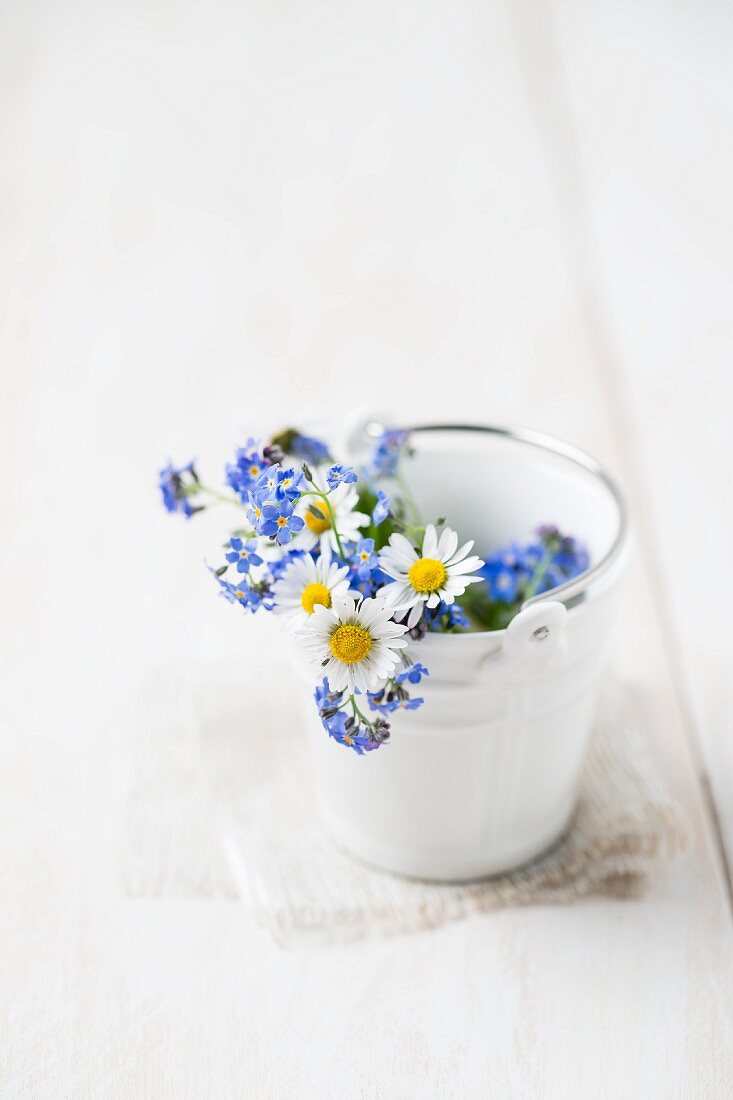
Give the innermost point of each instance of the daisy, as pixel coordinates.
(354, 643)
(438, 575)
(318, 531)
(306, 584)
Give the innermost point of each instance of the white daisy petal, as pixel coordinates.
(430, 542)
(459, 554)
(403, 546)
(397, 594)
(467, 566)
(395, 571)
(446, 546)
(414, 616)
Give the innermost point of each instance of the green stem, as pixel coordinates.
(539, 573)
(357, 711)
(225, 498)
(331, 514)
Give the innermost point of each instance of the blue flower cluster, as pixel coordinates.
(308, 449)
(364, 559)
(177, 486)
(353, 730)
(387, 453)
(272, 499)
(253, 596)
(394, 695)
(365, 576)
(442, 619)
(520, 571)
(413, 673)
(249, 462)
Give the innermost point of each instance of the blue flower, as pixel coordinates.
(324, 696)
(394, 695)
(528, 557)
(280, 522)
(241, 592)
(177, 486)
(248, 465)
(255, 514)
(383, 701)
(364, 558)
(502, 579)
(572, 557)
(444, 617)
(236, 593)
(414, 673)
(381, 508)
(277, 484)
(252, 596)
(389, 702)
(341, 475)
(265, 487)
(244, 554)
(289, 484)
(345, 731)
(455, 616)
(309, 449)
(387, 453)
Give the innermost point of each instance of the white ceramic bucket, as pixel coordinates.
(484, 777)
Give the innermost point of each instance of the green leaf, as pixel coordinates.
(485, 613)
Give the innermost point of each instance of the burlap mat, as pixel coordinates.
(220, 804)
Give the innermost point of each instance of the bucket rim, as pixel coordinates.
(569, 592)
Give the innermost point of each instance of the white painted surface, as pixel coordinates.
(219, 215)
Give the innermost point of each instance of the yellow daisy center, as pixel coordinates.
(350, 643)
(318, 523)
(282, 521)
(427, 575)
(313, 594)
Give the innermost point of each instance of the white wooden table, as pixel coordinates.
(217, 217)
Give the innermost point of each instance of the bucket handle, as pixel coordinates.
(537, 633)
(370, 427)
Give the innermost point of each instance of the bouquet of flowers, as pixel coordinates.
(345, 558)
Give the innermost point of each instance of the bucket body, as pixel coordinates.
(484, 776)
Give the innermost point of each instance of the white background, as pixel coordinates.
(222, 217)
